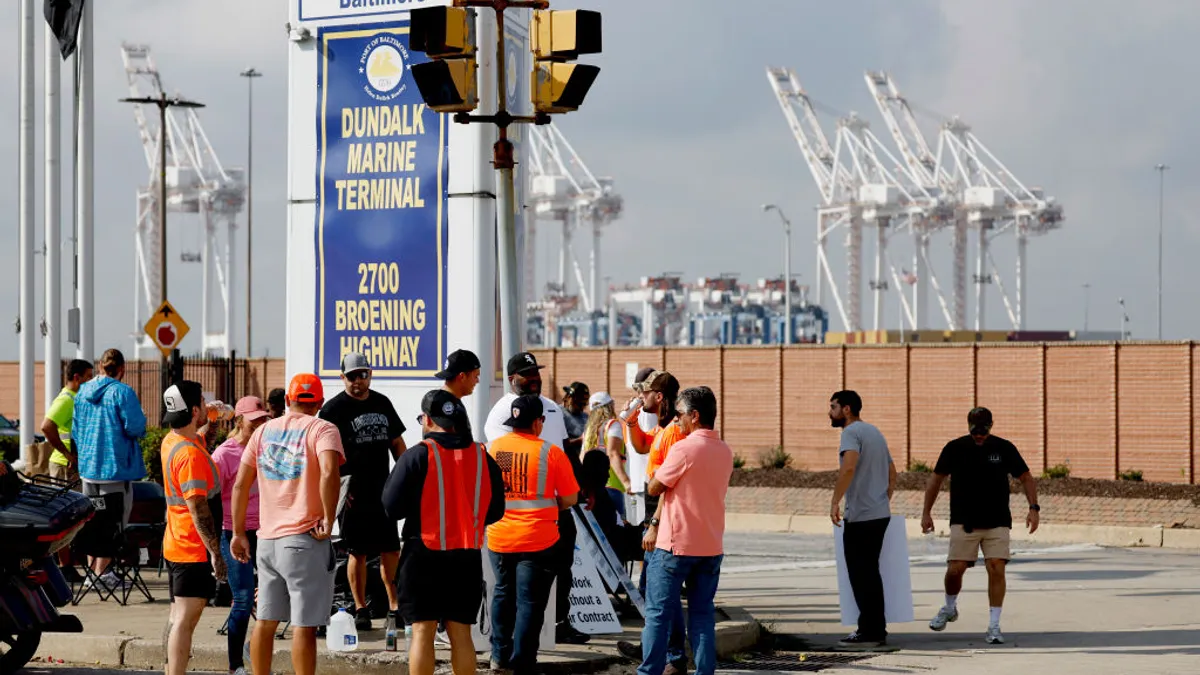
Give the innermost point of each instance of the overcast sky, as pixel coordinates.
(1080, 97)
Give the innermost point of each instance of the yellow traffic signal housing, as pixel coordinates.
(562, 35)
(448, 86)
(449, 82)
(557, 37)
(561, 87)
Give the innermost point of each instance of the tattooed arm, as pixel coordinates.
(203, 518)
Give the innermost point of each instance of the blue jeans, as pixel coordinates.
(241, 582)
(519, 601)
(618, 498)
(664, 609)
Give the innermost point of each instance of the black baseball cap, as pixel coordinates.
(179, 400)
(577, 388)
(445, 410)
(522, 362)
(525, 411)
(460, 361)
(980, 421)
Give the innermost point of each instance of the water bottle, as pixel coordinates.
(390, 635)
(218, 411)
(341, 636)
(407, 637)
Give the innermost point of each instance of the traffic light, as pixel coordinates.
(449, 81)
(558, 37)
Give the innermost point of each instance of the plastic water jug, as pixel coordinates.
(341, 636)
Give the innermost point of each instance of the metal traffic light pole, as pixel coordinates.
(505, 163)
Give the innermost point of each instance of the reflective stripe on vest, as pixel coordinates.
(435, 452)
(543, 475)
(174, 497)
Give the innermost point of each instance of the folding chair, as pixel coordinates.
(103, 537)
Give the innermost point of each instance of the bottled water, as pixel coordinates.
(390, 635)
(341, 636)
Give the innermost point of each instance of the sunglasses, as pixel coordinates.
(357, 375)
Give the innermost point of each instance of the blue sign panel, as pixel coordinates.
(381, 207)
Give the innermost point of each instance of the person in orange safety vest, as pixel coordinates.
(447, 489)
(538, 484)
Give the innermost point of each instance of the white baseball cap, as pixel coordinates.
(598, 399)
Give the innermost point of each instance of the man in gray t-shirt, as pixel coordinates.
(866, 478)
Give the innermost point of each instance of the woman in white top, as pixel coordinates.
(604, 432)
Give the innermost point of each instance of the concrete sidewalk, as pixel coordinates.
(1069, 610)
(131, 637)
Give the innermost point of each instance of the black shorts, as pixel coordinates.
(192, 580)
(365, 528)
(440, 585)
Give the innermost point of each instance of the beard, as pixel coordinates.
(837, 422)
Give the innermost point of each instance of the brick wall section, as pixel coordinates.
(941, 389)
(878, 374)
(751, 419)
(1009, 382)
(1154, 387)
(1081, 420)
(809, 376)
(1055, 508)
(696, 366)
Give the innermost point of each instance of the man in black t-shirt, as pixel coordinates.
(979, 465)
(371, 434)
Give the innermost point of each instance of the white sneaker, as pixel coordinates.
(441, 638)
(944, 616)
(994, 637)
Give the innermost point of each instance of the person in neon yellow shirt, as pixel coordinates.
(56, 426)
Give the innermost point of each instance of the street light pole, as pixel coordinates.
(1124, 318)
(787, 272)
(250, 74)
(1162, 171)
(1087, 304)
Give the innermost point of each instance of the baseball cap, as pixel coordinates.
(980, 421)
(598, 399)
(460, 361)
(179, 399)
(522, 362)
(525, 411)
(305, 387)
(661, 381)
(444, 409)
(641, 375)
(575, 388)
(251, 408)
(355, 361)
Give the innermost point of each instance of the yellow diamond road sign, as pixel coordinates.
(166, 328)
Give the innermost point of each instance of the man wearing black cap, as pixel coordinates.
(525, 377)
(978, 465)
(371, 433)
(444, 512)
(460, 373)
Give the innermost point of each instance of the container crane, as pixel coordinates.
(197, 183)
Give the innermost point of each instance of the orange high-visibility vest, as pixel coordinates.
(454, 519)
(530, 509)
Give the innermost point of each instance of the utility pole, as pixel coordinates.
(1162, 171)
(25, 195)
(787, 272)
(250, 74)
(52, 350)
(85, 300)
(1087, 304)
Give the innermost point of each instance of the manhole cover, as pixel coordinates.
(793, 662)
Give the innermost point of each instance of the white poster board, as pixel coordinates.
(481, 632)
(893, 566)
(591, 610)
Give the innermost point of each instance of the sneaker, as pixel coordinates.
(856, 641)
(441, 638)
(362, 619)
(497, 669)
(944, 616)
(629, 650)
(565, 633)
(994, 636)
(241, 671)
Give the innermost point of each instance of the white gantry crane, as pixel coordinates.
(566, 191)
(197, 185)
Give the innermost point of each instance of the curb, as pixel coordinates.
(738, 633)
(1151, 536)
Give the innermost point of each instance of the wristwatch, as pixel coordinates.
(1034, 507)
(653, 522)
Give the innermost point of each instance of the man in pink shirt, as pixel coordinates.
(295, 461)
(693, 481)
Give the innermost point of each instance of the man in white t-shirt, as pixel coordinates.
(525, 377)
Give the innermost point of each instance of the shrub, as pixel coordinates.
(10, 448)
(1132, 475)
(917, 466)
(775, 458)
(1057, 471)
(151, 452)
(739, 462)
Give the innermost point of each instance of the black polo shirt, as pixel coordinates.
(979, 474)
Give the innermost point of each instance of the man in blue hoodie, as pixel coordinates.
(107, 427)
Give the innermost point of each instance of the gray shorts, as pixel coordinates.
(91, 489)
(295, 580)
